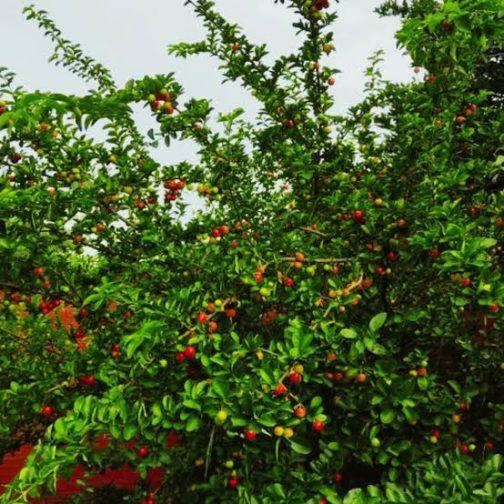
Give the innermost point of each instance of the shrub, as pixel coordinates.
(326, 327)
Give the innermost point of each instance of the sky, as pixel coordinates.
(131, 37)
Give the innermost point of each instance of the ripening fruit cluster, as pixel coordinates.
(174, 188)
(162, 101)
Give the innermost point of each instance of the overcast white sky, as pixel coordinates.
(131, 36)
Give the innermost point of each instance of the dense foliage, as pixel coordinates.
(326, 326)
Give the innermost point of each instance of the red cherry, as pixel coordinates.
(318, 425)
(46, 411)
(231, 313)
(47, 283)
(16, 298)
(465, 282)
(173, 439)
(180, 356)
(464, 406)
(323, 501)
(225, 229)
(80, 333)
(338, 477)
(494, 307)
(143, 451)
(211, 307)
(464, 448)
(295, 378)
(436, 433)
(421, 371)
(202, 318)
(155, 104)
(391, 256)
(258, 277)
(358, 216)
(88, 380)
(435, 253)
(213, 326)
(39, 271)
(216, 233)
(331, 81)
(250, 435)
(280, 390)
(489, 445)
(321, 4)
(338, 376)
(102, 442)
(190, 352)
(234, 244)
(83, 313)
(233, 482)
(289, 282)
(300, 411)
(380, 270)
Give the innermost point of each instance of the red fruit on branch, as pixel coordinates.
(213, 326)
(338, 477)
(190, 352)
(464, 448)
(231, 313)
(87, 380)
(258, 277)
(318, 426)
(321, 4)
(289, 282)
(465, 282)
(300, 411)
(46, 411)
(143, 451)
(39, 271)
(233, 482)
(358, 216)
(391, 256)
(250, 435)
(494, 307)
(280, 390)
(202, 318)
(295, 378)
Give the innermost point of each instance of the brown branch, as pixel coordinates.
(314, 231)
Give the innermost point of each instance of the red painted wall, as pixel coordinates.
(124, 478)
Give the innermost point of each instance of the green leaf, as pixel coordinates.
(129, 432)
(189, 403)
(348, 333)
(377, 321)
(300, 448)
(193, 423)
(219, 386)
(355, 496)
(387, 416)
